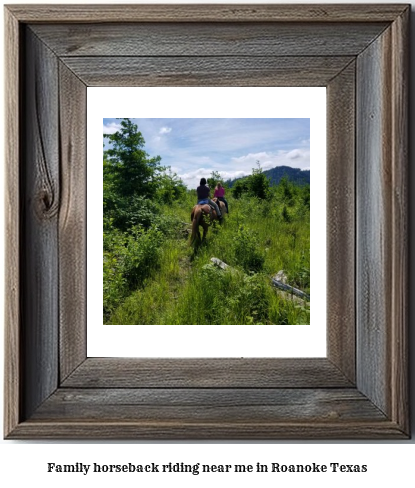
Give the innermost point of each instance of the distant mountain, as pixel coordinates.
(296, 175)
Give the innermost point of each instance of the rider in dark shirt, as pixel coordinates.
(203, 192)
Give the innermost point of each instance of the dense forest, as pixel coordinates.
(152, 275)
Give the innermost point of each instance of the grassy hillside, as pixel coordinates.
(152, 275)
(177, 284)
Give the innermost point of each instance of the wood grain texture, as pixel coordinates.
(207, 399)
(206, 71)
(40, 300)
(373, 222)
(400, 263)
(206, 13)
(375, 168)
(209, 405)
(382, 222)
(72, 222)
(13, 380)
(206, 373)
(182, 39)
(341, 235)
(150, 429)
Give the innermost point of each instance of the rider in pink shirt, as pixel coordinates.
(219, 191)
(220, 194)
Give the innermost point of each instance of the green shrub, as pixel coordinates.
(286, 189)
(114, 280)
(142, 255)
(128, 260)
(299, 272)
(246, 250)
(216, 296)
(240, 187)
(306, 197)
(126, 213)
(255, 185)
(169, 188)
(286, 215)
(250, 301)
(259, 184)
(114, 284)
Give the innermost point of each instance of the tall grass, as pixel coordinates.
(181, 286)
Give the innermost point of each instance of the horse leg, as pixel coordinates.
(205, 230)
(195, 239)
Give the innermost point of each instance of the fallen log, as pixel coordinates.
(279, 280)
(220, 263)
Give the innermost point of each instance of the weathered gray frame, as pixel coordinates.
(359, 52)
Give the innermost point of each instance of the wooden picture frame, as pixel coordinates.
(360, 53)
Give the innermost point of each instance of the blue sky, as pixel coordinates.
(193, 148)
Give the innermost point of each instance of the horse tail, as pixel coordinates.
(196, 214)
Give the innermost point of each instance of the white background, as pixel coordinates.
(25, 463)
(212, 341)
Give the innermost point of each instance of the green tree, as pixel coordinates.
(255, 185)
(110, 192)
(214, 179)
(259, 184)
(128, 166)
(240, 187)
(287, 191)
(169, 187)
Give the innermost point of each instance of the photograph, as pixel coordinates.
(188, 236)
(206, 221)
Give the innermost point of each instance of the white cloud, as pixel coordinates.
(165, 130)
(251, 158)
(192, 178)
(111, 127)
(192, 169)
(267, 165)
(296, 158)
(230, 175)
(295, 154)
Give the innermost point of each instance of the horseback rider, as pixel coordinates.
(203, 194)
(220, 195)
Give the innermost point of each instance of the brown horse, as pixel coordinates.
(204, 215)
